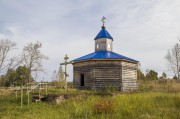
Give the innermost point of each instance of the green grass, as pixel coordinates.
(147, 105)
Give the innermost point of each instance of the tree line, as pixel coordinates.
(150, 75)
(18, 69)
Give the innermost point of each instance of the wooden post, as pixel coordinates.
(27, 87)
(28, 98)
(28, 92)
(39, 92)
(46, 89)
(21, 96)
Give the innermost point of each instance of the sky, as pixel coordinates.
(142, 29)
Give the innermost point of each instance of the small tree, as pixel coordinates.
(58, 78)
(140, 75)
(175, 77)
(61, 74)
(32, 58)
(152, 75)
(10, 77)
(2, 80)
(164, 76)
(22, 76)
(62, 81)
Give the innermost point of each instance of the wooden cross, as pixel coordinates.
(65, 64)
(103, 20)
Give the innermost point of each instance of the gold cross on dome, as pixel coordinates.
(103, 20)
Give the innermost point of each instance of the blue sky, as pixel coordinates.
(142, 29)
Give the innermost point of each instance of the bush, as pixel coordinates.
(110, 89)
(145, 86)
(104, 105)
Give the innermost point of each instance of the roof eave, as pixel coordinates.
(106, 59)
(103, 37)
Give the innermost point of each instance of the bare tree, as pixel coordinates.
(6, 61)
(173, 58)
(32, 58)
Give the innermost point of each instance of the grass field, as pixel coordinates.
(164, 104)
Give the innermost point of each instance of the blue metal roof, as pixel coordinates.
(103, 55)
(103, 34)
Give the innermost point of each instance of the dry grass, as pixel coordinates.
(160, 85)
(4, 91)
(105, 105)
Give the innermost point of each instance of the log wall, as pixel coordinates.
(107, 77)
(129, 76)
(101, 75)
(78, 70)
